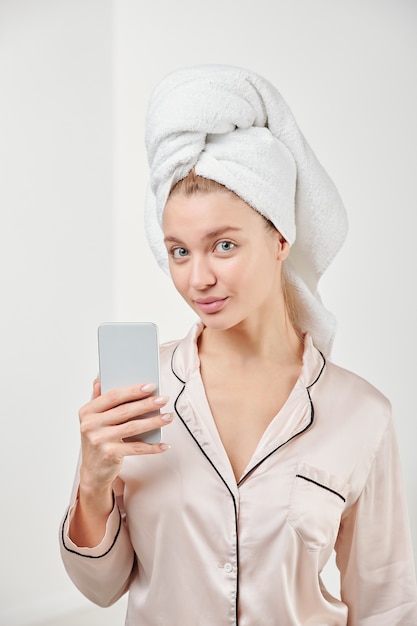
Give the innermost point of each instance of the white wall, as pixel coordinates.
(75, 80)
(56, 257)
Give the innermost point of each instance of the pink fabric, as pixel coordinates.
(324, 476)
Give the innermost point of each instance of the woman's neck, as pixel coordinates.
(251, 340)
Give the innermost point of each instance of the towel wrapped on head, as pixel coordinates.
(232, 126)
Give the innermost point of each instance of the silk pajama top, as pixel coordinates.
(194, 547)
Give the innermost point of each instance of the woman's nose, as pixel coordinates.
(202, 275)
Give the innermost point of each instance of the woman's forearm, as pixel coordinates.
(88, 522)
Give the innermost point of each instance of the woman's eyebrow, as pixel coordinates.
(171, 239)
(220, 231)
(210, 235)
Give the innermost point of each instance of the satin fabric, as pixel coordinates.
(195, 547)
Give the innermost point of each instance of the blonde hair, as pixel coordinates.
(193, 184)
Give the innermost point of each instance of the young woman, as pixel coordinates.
(274, 456)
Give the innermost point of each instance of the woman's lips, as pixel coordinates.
(210, 305)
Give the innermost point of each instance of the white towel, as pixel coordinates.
(233, 126)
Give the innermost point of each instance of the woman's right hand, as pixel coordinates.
(105, 422)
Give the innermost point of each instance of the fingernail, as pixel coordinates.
(167, 417)
(148, 387)
(164, 447)
(161, 400)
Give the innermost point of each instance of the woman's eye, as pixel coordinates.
(179, 253)
(225, 246)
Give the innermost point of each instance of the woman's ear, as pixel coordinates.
(283, 248)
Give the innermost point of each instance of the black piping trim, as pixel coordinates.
(320, 372)
(252, 469)
(296, 434)
(220, 476)
(172, 366)
(227, 487)
(310, 480)
(89, 556)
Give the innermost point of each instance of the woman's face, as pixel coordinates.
(223, 259)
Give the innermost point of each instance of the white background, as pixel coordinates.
(75, 77)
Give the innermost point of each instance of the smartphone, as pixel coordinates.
(129, 355)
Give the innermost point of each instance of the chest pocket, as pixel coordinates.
(317, 502)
